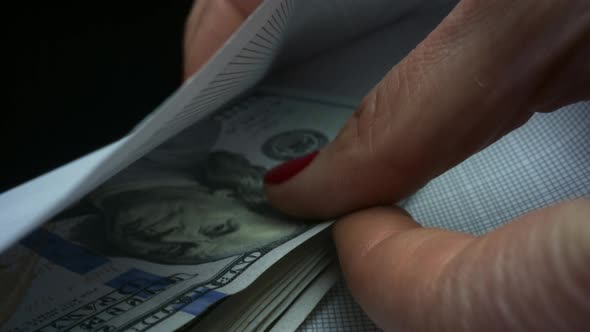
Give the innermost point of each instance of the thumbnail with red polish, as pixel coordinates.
(284, 172)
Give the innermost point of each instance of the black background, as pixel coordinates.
(82, 76)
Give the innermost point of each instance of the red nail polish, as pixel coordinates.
(289, 169)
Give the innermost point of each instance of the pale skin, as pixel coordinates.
(484, 71)
(189, 224)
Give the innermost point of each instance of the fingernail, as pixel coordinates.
(284, 172)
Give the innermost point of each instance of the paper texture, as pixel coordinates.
(307, 301)
(181, 228)
(338, 312)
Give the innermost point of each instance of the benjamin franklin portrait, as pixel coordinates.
(218, 211)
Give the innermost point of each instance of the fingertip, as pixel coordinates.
(302, 187)
(336, 181)
(285, 171)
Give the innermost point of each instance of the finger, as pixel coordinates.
(481, 73)
(531, 275)
(209, 25)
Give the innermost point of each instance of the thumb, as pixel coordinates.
(530, 275)
(477, 76)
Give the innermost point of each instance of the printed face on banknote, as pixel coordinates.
(186, 222)
(189, 225)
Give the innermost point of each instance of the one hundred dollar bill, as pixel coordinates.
(180, 229)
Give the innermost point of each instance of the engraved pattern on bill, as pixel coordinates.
(179, 230)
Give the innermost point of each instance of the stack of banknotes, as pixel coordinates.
(184, 237)
(169, 227)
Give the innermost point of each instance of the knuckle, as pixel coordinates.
(373, 118)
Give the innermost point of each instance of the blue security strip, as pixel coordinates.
(133, 275)
(62, 252)
(203, 302)
(144, 283)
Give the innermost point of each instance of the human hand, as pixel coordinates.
(209, 25)
(482, 73)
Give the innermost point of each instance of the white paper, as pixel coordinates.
(225, 77)
(306, 27)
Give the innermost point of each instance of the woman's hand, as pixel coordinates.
(209, 25)
(482, 73)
